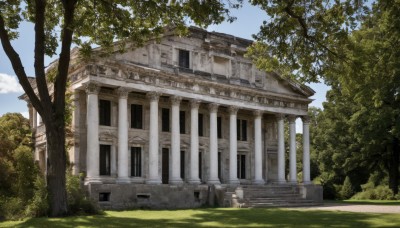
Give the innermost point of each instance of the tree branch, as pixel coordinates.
(303, 24)
(65, 55)
(42, 86)
(18, 67)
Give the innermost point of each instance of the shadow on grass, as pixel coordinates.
(220, 218)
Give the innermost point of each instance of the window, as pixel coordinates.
(104, 196)
(182, 164)
(105, 112)
(241, 166)
(183, 58)
(219, 166)
(201, 125)
(200, 165)
(219, 127)
(136, 161)
(165, 119)
(242, 130)
(182, 122)
(105, 158)
(137, 116)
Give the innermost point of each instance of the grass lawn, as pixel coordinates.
(217, 217)
(370, 202)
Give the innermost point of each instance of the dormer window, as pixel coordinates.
(184, 59)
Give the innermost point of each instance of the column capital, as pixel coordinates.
(280, 116)
(122, 92)
(305, 119)
(153, 96)
(213, 107)
(233, 109)
(92, 88)
(175, 100)
(257, 113)
(292, 118)
(194, 103)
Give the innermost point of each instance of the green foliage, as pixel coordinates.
(78, 201)
(38, 206)
(347, 189)
(381, 192)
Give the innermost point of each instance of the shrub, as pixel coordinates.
(346, 190)
(12, 208)
(38, 206)
(381, 192)
(78, 202)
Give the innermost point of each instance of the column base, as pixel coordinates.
(280, 182)
(234, 182)
(292, 182)
(123, 180)
(215, 181)
(307, 183)
(258, 182)
(92, 180)
(153, 181)
(194, 181)
(175, 181)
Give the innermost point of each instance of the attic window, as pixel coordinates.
(184, 58)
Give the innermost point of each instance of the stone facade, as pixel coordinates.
(171, 124)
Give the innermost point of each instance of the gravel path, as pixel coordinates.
(354, 208)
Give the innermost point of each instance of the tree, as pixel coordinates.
(86, 22)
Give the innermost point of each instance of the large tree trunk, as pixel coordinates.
(394, 167)
(56, 167)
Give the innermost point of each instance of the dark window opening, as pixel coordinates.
(196, 195)
(137, 116)
(165, 119)
(182, 164)
(105, 158)
(182, 127)
(165, 166)
(200, 125)
(219, 127)
(143, 196)
(242, 130)
(200, 166)
(105, 112)
(241, 166)
(183, 58)
(104, 196)
(136, 161)
(219, 165)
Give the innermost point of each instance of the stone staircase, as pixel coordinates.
(252, 196)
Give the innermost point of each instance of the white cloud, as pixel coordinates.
(25, 114)
(9, 84)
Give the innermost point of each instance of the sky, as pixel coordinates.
(249, 19)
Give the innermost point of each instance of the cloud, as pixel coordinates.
(9, 84)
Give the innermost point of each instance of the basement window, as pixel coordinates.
(104, 196)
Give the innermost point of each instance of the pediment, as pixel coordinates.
(137, 140)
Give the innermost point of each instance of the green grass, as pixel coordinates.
(370, 202)
(217, 217)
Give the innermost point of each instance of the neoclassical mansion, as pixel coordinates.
(184, 122)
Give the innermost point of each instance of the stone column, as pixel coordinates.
(306, 150)
(281, 149)
(194, 142)
(292, 150)
(213, 177)
(123, 161)
(154, 177)
(233, 180)
(92, 119)
(257, 148)
(175, 177)
(34, 118)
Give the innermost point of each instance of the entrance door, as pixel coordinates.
(165, 165)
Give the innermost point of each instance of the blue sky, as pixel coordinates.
(249, 20)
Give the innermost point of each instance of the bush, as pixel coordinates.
(346, 190)
(78, 202)
(12, 208)
(381, 192)
(38, 206)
